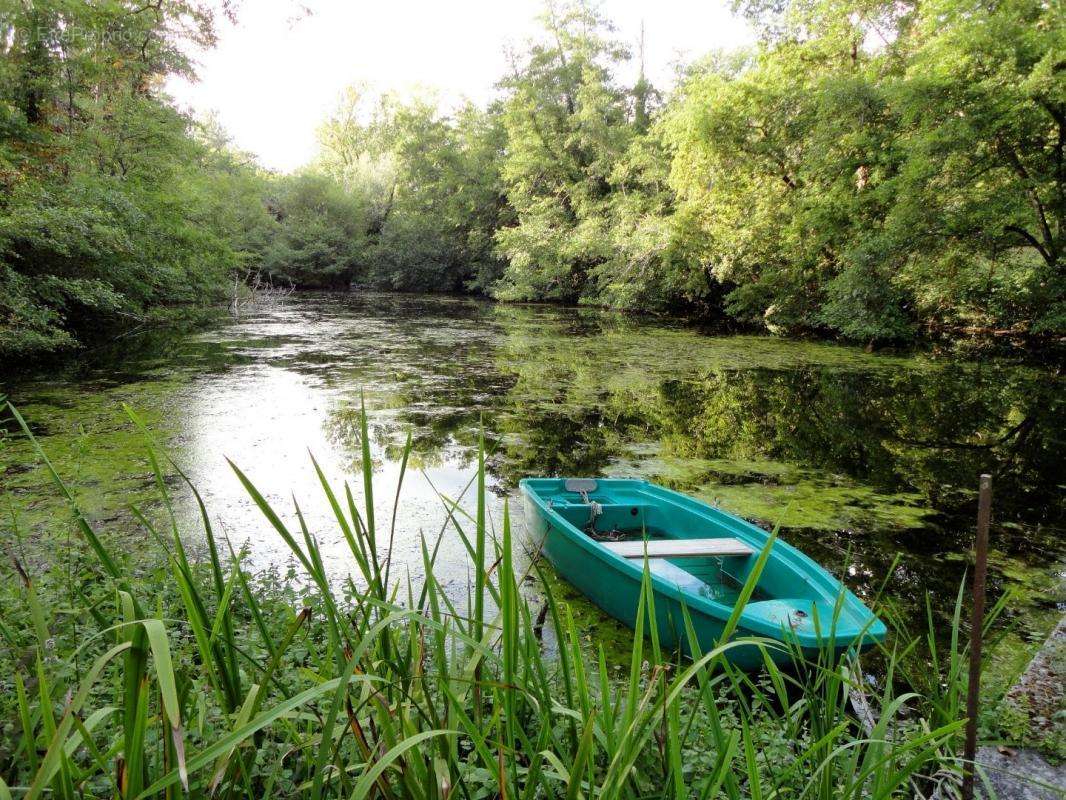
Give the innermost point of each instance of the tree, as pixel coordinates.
(319, 234)
(869, 170)
(781, 160)
(433, 187)
(109, 209)
(567, 126)
(872, 166)
(980, 213)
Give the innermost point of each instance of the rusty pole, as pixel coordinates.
(984, 515)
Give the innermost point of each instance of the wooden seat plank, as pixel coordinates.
(680, 548)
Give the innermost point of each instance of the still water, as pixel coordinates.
(858, 456)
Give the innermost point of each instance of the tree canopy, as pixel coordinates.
(868, 170)
(111, 201)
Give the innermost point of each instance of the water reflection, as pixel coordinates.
(857, 455)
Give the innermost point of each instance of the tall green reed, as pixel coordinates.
(207, 683)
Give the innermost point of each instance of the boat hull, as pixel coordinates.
(614, 585)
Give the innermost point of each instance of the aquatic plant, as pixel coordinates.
(201, 679)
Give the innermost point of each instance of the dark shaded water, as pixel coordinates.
(859, 456)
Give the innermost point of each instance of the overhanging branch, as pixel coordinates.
(1032, 240)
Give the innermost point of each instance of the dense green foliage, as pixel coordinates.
(873, 171)
(316, 240)
(433, 186)
(867, 171)
(111, 202)
(870, 168)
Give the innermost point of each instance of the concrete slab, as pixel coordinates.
(1020, 774)
(1040, 694)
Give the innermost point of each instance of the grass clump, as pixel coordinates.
(195, 678)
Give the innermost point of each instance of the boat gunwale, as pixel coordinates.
(860, 624)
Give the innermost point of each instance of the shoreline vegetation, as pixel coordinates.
(883, 174)
(147, 671)
(889, 174)
(1042, 351)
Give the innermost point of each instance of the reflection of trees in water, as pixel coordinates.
(563, 442)
(932, 431)
(579, 394)
(571, 393)
(553, 402)
(455, 369)
(342, 426)
(444, 423)
(929, 431)
(926, 432)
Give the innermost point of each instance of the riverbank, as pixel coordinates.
(1031, 764)
(231, 682)
(1045, 350)
(293, 353)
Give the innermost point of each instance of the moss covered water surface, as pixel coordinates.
(859, 456)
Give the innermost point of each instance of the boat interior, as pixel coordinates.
(618, 516)
(702, 552)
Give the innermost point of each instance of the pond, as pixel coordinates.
(858, 456)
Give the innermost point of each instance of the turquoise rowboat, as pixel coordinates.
(598, 533)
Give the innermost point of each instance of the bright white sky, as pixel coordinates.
(276, 74)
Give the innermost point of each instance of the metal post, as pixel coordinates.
(984, 514)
